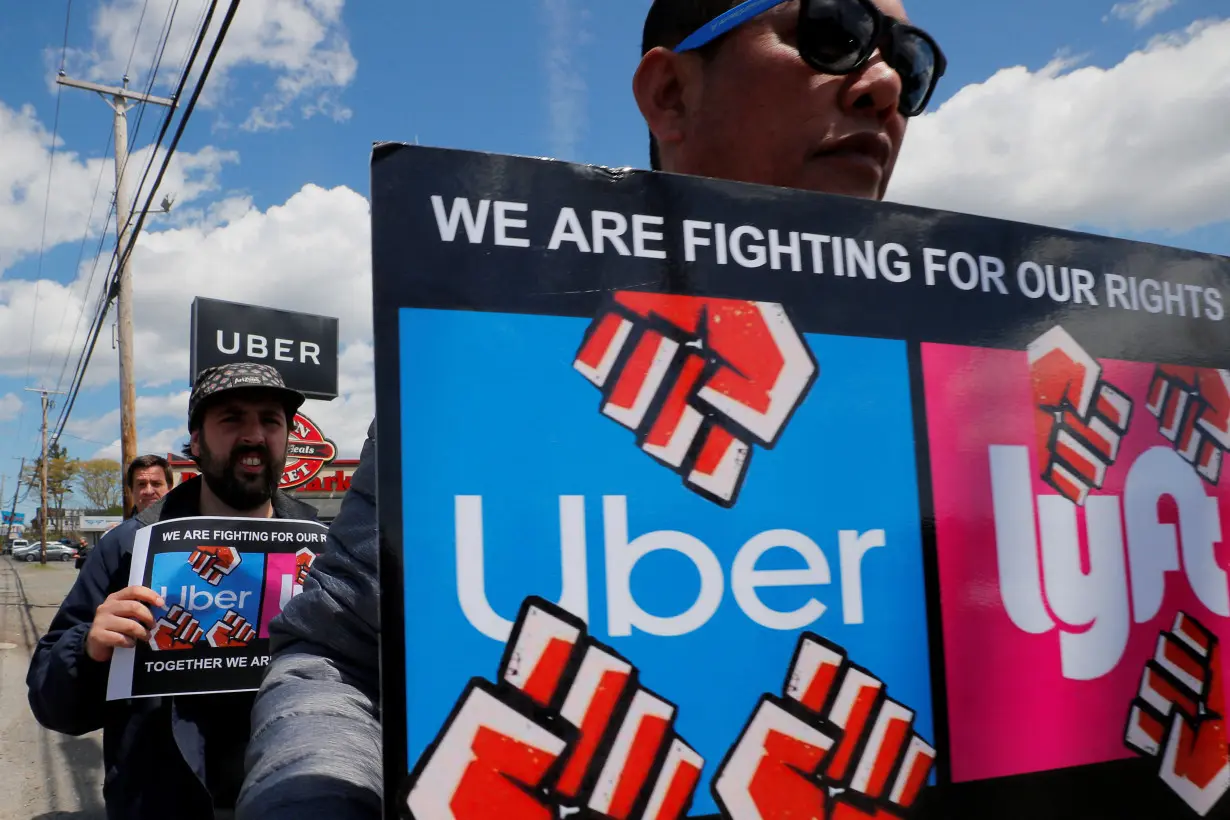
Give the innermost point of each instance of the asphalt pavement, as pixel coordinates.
(43, 775)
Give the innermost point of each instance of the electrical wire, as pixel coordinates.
(136, 38)
(102, 168)
(104, 296)
(122, 255)
(164, 39)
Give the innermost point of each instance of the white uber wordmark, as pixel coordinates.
(260, 347)
(622, 553)
(1041, 578)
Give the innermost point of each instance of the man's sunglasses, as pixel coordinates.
(840, 36)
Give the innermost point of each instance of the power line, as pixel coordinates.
(164, 39)
(122, 254)
(136, 38)
(104, 296)
(183, 123)
(102, 167)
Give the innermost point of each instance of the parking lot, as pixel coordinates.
(46, 775)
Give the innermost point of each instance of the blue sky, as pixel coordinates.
(1088, 115)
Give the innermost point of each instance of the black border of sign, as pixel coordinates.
(1083, 792)
(931, 565)
(336, 331)
(387, 365)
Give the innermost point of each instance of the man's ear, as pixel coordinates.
(662, 86)
(194, 443)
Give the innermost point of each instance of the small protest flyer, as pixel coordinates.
(708, 500)
(223, 580)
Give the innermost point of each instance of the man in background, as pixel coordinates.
(148, 479)
(788, 93)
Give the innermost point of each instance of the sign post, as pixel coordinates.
(702, 499)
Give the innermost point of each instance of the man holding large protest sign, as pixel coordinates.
(171, 757)
(800, 94)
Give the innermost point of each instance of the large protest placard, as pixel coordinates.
(709, 499)
(222, 580)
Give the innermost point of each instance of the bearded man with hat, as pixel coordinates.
(178, 757)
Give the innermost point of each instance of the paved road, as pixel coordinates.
(43, 775)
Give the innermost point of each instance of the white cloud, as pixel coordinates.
(566, 90)
(156, 442)
(10, 407)
(345, 419)
(1138, 146)
(310, 254)
(302, 43)
(1141, 12)
(23, 184)
(150, 407)
(173, 405)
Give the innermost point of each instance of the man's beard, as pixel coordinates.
(240, 493)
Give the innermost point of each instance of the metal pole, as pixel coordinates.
(120, 100)
(43, 509)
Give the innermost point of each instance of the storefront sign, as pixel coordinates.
(302, 347)
(311, 467)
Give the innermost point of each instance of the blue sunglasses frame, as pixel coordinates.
(725, 22)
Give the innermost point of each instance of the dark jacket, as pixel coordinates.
(315, 749)
(153, 748)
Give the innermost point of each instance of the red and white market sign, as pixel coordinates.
(307, 453)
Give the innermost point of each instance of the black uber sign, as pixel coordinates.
(301, 346)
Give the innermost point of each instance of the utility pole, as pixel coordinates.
(42, 522)
(8, 531)
(121, 100)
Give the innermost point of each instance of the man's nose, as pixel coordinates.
(875, 88)
(252, 432)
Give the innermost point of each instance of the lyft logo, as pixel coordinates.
(1081, 421)
(622, 552)
(1095, 609)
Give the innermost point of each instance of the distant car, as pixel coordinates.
(55, 552)
(16, 543)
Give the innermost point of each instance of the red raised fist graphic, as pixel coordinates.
(214, 563)
(304, 559)
(834, 748)
(175, 630)
(232, 631)
(1081, 419)
(567, 729)
(1179, 716)
(1192, 406)
(698, 380)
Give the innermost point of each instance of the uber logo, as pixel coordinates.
(258, 348)
(302, 347)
